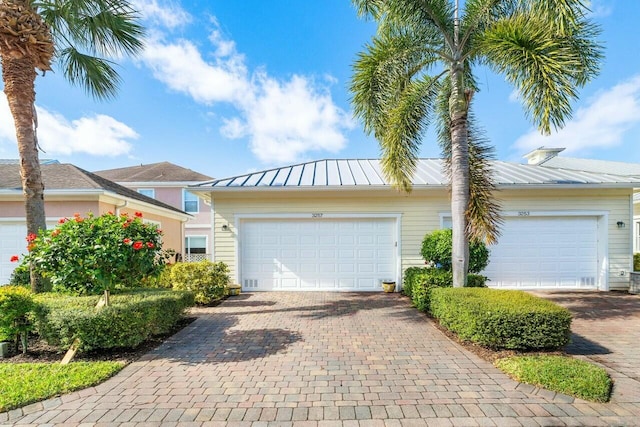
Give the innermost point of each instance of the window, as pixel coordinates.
(149, 192)
(195, 245)
(190, 202)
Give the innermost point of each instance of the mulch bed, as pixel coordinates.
(40, 351)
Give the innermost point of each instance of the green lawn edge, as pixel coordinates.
(562, 374)
(26, 383)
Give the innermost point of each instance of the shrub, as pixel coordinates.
(129, 320)
(89, 255)
(560, 373)
(21, 276)
(502, 319)
(16, 306)
(436, 249)
(205, 279)
(636, 262)
(419, 279)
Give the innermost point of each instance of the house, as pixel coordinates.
(550, 158)
(168, 183)
(68, 190)
(339, 225)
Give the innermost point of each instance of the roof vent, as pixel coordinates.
(541, 155)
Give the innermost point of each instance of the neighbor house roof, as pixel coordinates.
(58, 176)
(367, 173)
(155, 172)
(592, 165)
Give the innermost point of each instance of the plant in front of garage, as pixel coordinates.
(206, 279)
(436, 251)
(502, 319)
(420, 279)
(92, 254)
(16, 309)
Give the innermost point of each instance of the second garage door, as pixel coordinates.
(545, 252)
(317, 254)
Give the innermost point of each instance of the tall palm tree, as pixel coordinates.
(419, 68)
(80, 36)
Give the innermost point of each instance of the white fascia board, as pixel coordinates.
(110, 197)
(150, 184)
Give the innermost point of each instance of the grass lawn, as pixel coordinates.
(561, 374)
(24, 383)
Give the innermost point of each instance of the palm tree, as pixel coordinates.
(80, 36)
(419, 68)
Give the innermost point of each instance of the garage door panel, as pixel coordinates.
(546, 252)
(349, 254)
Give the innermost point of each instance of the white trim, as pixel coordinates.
(203, 226)
(180, 184)
(185, 191)
(239, 217)
(152, 190)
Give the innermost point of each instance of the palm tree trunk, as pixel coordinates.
(458, 109)
(19, 75)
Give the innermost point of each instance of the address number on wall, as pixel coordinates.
(316, 215)
(524, 213)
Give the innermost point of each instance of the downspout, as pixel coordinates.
(213, 228)
(126, 203)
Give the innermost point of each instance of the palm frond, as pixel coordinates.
(381, 74)
(88, 34)
(96, 75)
(405, 126)
(545, 67)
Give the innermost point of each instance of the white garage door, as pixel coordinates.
(545, 252)
(317, 254)
(12, 242)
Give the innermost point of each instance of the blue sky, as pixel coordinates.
(225, 87)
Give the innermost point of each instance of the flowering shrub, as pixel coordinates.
(95, 253)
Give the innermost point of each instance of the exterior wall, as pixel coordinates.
(421, 212)
(200, 225)
(53, 209)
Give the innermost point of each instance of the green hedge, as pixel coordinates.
(636, 262)
(16, 306)
(502, 319)
(205, 279)
(419, 280)
(129, 320)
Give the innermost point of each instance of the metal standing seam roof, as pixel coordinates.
(367, 173)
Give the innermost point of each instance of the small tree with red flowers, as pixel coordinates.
(93, 254)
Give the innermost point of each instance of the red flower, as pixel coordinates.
(31, 246)
(150, 245)
(55, 232)
(138, 245)
(78, 219)
(126, 241)
(62, 220)
(110, 213)
(138, 214)
(76, 215)
(15, 258)
(31, 237)
(126, 224)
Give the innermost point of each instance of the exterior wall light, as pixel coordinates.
(620, 224)
(225, 227)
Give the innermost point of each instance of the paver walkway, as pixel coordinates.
(606, 330)
(316, 359)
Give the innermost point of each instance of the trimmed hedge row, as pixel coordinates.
(130, 319)
(418, 282)
(502, 319)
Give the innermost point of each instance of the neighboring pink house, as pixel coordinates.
(167, 183)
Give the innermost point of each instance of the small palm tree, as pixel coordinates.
(419, 69)
(80, 36)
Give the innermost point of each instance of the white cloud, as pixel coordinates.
(99, 135)
(167, 14)
(601, 124)
(283, 119)
(600, 8)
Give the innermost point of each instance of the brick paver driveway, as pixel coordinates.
(606, 330)
(317, 359)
